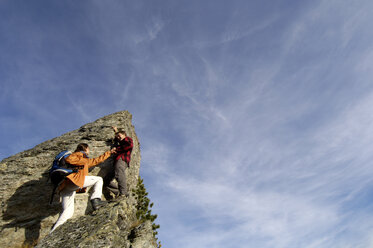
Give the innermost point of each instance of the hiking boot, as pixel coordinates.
(97, 203)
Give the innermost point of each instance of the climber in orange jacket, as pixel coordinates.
(79, 180)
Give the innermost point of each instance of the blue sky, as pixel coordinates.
(254, 117)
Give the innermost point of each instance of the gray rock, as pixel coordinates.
(112, 226)
(27, 217)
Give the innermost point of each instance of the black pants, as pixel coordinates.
(119, 174)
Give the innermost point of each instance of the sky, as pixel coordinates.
(254, 117)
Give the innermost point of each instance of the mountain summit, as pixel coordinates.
(27, 216)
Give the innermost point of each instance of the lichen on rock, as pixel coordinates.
(114, 225)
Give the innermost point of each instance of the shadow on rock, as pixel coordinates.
(28, 206)
(107, 174)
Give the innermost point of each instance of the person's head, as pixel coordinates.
(82, 147)
(120, 135)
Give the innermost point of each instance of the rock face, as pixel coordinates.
(112, 226)
(27, 217)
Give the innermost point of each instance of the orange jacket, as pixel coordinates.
(80, 159)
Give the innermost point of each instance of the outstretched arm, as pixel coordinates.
(77, 160)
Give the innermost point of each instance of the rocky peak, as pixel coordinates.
(27, 217)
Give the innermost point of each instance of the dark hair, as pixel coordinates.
(82, 147)
(121, 131)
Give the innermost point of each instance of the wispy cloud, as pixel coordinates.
(242, 212)
(254, 119)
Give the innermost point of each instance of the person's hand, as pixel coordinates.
(113, 150)
(115, 128)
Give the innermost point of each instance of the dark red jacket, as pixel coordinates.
(124, 149)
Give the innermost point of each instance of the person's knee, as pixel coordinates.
(99, 181)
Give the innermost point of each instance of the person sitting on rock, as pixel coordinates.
(79, 180)
(123, 145)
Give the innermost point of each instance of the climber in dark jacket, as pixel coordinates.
(123, 145)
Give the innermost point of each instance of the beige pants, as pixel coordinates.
(68, 196)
